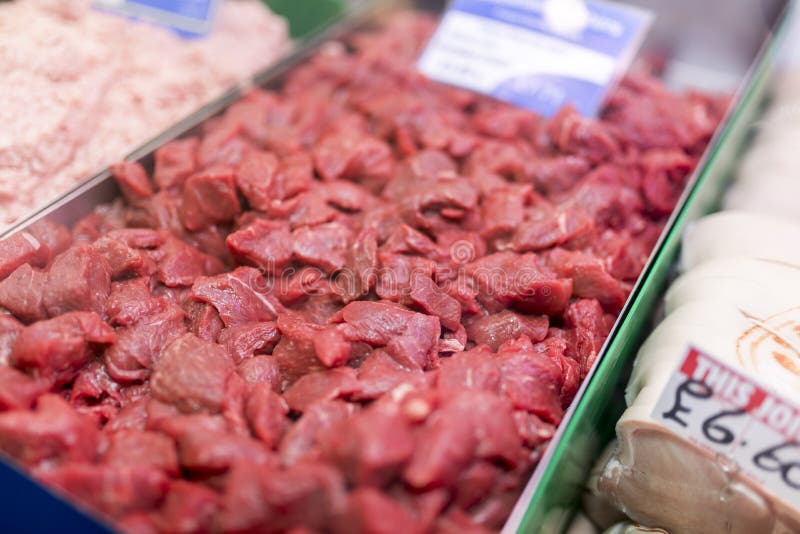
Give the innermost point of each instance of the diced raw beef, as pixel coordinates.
(245, 340)
(320, 387)
(371, 447)
(201, 451)
(135, 448)
(191, 375)
(410, 338)
(22, 247)
(175, 162)
(519, 281)
(56, 349)
(380, 373)
(113, 490)
(140, 345)
(132, 180)
(209, 197)
(188, 508)
(18, 391)
(264, 244)
(130, 301)
(589, 278)
(22, 293)
(241, 296)
(430, 298)
(180, 264)
(261, 370)
(302, 439)
(54, 430)
(369, 511)
(494, 330)
(266, 412)
(78, 280)
(475, 369)
(325, 246)
(204, 320)
(9, 330)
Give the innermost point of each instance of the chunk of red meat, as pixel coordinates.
(148, 449)
(396, 272)
(266, 412)
(410, 338)
(180, 264)
(475, 484)
(590, 328)
(548, 228)
(360, 275)
(54, 430)
(139, 345)
(245, 340)
(123, 260)
(610, 206)
(649, 116)
(295, 353)
(241, 296)
(188, 508)
(18, 391)
(132, 180)
(191, 375)
(264, 244)
(22, 247)
(325, 246)
(380, 373)
(494, 330)
(132, 416)
(210, 452)
(531, 381)
(371, 447)
(78, 280)
(302, 439)
(22, 293)
(55, 237)
(475, 369)
(430, 298)
(369, 511)
(588, 138)
(352, 155)
(270, 500)
(665, 175)
(261, 370)
(443, 199)
(499, 158)
(209, 197)
(512, 280)
(175, 162)
(623, 256)
(113, 490)
(554, 175)
(93, 384)
(9, 330)
(531, 429)
(589, 278)
(321, 387)
(255, 176)
(407, 240)
(130, 301)
(223, 144)
(505, 122)
(57, 348)
(502, 211)
(204, 320)
(470, 424)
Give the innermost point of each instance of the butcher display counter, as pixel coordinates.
(345, 169)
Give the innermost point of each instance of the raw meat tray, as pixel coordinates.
(718, 45)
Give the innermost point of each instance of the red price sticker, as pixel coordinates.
(728, 412)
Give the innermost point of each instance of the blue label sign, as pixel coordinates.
(537, 54)
(192, 17)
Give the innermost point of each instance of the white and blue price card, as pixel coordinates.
(190, 17)
(536, 54)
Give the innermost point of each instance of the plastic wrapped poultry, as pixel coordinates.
(739, 300)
